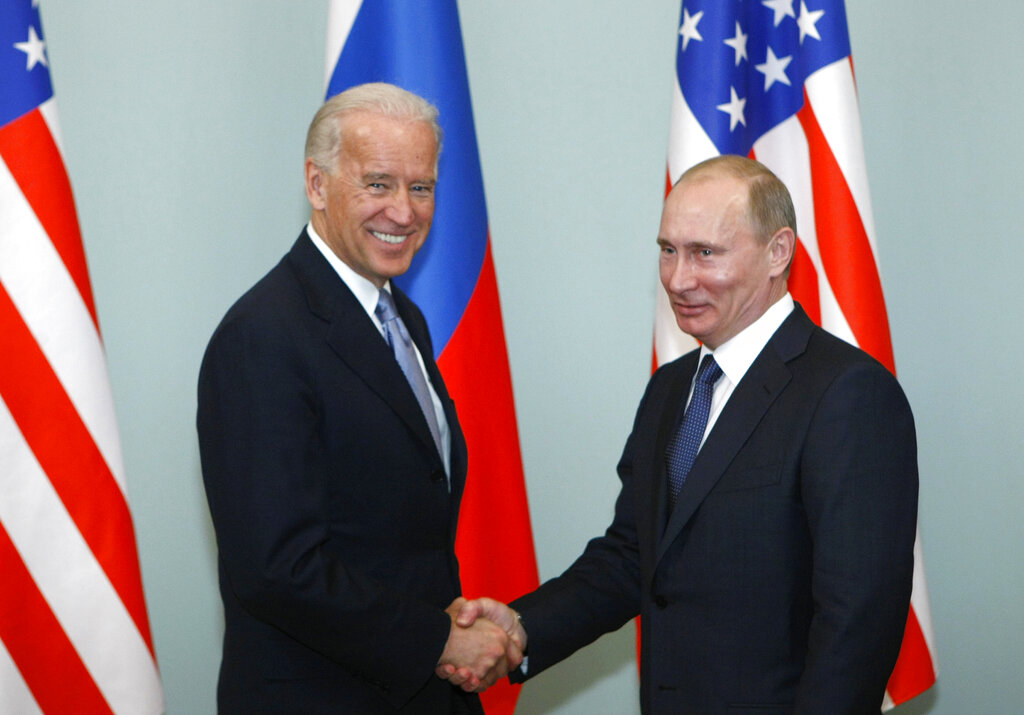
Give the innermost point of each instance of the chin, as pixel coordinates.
(691, 327)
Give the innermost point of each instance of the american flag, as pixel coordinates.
(418, 46)
(74, 633)
(773, 79)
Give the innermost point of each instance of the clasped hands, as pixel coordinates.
(486, 641)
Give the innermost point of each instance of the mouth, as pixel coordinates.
(389, 237)
(688, 310)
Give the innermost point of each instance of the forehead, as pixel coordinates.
(705, 202)
(369, 136)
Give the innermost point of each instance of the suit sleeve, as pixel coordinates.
(859, 487)
(265, 473)
(600, 591)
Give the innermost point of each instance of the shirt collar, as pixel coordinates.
(363, 289)
(736, 355)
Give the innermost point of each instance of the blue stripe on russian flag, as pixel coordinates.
(383, 47)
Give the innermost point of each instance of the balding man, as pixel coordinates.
(766, 522)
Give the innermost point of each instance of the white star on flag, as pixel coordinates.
(738, 44)
(782, 9)
(689, 29)
(734, 108)
(34, 49)
(774, 69)
(807, 21)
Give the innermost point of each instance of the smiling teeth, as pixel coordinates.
(388, 237)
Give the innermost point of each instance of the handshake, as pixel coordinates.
(487, 640)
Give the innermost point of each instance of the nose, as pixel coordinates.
(400, 211)
(678, 277)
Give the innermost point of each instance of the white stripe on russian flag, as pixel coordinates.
(340, 18)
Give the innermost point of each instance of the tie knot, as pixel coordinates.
(709, 371)
(387, 314)
(385, 309)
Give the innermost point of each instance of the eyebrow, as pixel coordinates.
(375, 175)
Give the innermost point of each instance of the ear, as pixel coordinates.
(781, 247)
(315, 190)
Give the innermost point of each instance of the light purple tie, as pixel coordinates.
(682, 450)
(398, 338)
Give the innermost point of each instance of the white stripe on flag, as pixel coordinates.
(49, 111)
(340, 17)
(833, 96)
(71, 580)
(784, 150)
(669, 341)
(688, 143)
(44, 294)
(15, 697)
(921, 603)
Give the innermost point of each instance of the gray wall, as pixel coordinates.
(183, 126)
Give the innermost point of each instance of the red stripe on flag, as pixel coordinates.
(845, 250)
(803, 277)
(803, 283)
(28, 149)
(67, 453)
(913, 673)
(494, 506)
(46, 659)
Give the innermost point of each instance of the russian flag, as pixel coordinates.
(418, 46)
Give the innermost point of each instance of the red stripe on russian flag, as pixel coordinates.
(913, 673)
(476, 369)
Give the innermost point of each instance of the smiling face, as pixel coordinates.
(719, 275)
(374, 207)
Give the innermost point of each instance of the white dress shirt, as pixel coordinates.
(736, 355)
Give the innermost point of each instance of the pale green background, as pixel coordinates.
(183, 127)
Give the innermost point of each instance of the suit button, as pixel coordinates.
(660, 601)
(437, 476)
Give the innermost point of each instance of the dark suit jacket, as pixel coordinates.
(335, 526)
(781, 581)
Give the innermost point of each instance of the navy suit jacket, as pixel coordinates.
(781, 581)
(335, 525)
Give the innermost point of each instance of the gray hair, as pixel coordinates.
(323, 140)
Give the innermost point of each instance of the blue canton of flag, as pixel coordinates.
(24, 68)
(742, 63)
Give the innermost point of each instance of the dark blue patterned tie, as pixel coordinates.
(683, 448)
(400, 341)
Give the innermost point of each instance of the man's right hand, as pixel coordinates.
(479, 652)
(469, 615)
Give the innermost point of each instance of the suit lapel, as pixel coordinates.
(671, 410)
(352, 335)
(767, 377)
